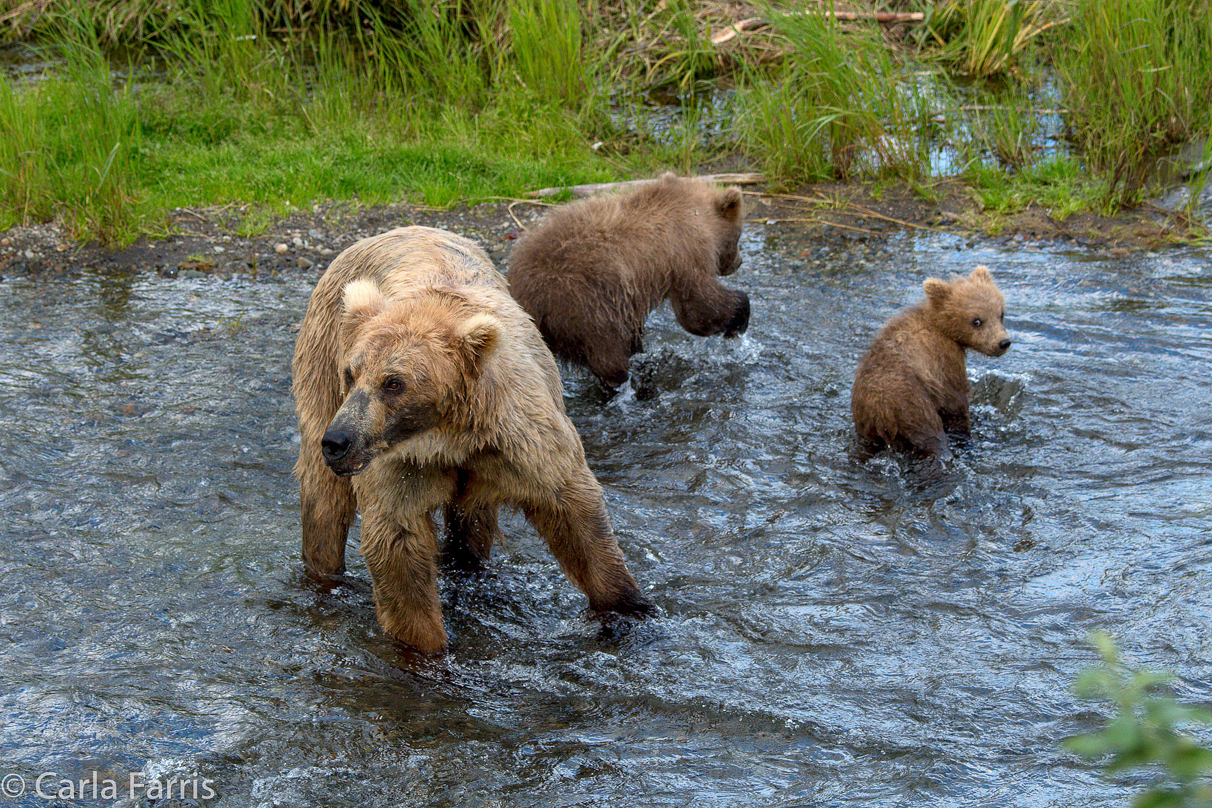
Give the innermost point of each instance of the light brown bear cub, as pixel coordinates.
(421, 385)
(595, 269)
(912, 386)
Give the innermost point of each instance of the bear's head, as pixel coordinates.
(729, 212)
(404, 365)
(970, 310)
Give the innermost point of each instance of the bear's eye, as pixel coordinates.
(393, 384)
(1003, 316)
(349, 379)
(976, 323)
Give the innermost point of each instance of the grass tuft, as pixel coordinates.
(1137, 82)
(980, 38)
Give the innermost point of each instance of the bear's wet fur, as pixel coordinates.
(911, 387)
(592, 272)
(420, 386)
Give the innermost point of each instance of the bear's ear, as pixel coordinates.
(477, 338)
(728, 203)
(361, 300)
(937, 291)
(981, 274)
(362, 297)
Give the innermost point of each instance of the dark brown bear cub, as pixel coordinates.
(593, 271)
(912, 386)
(422, 387)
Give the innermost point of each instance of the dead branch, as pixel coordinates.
(757, 23)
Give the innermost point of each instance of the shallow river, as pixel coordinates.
(832, 632)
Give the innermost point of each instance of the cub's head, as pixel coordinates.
(404, 367)
(729, 213)
(723, 209)
(970, 310)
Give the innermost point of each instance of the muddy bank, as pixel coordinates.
(208, 241)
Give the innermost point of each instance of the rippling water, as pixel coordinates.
(832, 631)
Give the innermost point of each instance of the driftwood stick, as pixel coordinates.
(580, 191)
(887, 17)
(756, 23)
(737, 28)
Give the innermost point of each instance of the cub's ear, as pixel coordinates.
(730, 203)
(937, 291)
(477, 338)
(360, 301)
(981, 273)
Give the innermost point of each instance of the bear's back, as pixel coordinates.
(409, 258)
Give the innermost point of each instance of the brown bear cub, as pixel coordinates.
(595, 269)
(912, 386)
(420, 385)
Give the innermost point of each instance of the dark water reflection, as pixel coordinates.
(833, 632)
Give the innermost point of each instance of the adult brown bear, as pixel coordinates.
(594, 270)
(420, 385)
(912, 386)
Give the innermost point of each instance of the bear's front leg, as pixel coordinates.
(705, 307)
(956, 420)
(401, 555)
(574, 524)
(327, 507)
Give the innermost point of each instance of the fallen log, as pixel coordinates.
(591, 189)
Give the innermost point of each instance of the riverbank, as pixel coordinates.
(217, 240)
(123, 112)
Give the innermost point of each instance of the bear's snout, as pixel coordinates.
(334, 445)
(1004, 345)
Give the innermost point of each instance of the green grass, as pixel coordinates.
(70, 149)
(155, 105)
(1137, 79)
(359, 165)
(241, 117)
(1061, 185)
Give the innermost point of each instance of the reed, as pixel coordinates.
(133, 23)
(834, 108)
(1136, 80)
(1004, 130)
(785, 133)
(981, 37)
(546, 51)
